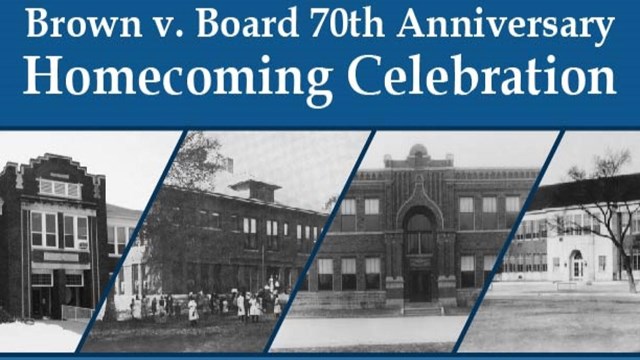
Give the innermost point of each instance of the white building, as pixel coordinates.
(558, 240)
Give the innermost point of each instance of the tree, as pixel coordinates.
(605, 201)
(194, 168)
(165, 229)
(197, 162)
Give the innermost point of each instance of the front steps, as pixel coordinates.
(423, 309)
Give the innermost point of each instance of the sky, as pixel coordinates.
(469, 148)
(579, 148)
(309, 166)
(131, 161)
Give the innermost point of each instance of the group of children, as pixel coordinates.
(248, 306)
(252, 306)
(165, 305)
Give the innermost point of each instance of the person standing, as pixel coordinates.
(170, 304)
(254, 309)
(193, 311)
(277, 308)
(154, 307)
(137, 308)
(240, 305)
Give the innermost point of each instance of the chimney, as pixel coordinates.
(228, 165)
(449, 157)
(257, 190)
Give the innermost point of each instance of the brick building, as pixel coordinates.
(419, 231)
(236, 238)
(52, 219)
(558, 241)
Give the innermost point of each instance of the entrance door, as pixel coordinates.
(40, 302)
(577, 266)
(418, 286)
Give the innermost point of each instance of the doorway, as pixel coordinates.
(577, 266)
(418, 287)
(40, 302)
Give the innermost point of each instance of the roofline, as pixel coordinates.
(251, 201)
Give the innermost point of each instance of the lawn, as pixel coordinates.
(556, 323)
(213, 334)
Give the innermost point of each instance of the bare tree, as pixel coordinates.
(330, 203)
(603, 197)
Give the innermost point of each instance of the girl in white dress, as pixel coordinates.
(255, 309)
(193, 311)
(240, 304)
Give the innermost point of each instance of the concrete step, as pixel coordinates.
(423, 310)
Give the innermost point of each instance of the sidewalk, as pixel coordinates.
(310, 333)
(43, 336)
(525, 289)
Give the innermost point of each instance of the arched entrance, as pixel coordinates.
(577, 265)
(419, 234)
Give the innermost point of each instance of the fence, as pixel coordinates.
(76, 313)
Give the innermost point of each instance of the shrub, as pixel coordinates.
(5, 317)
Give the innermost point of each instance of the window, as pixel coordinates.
(325, 274)
(467, 219)
(135, 278)
(58, 188)
(520, 264)
(372, 274)
(489, 205)
(349, 280)
(348, 218)
(595, 223)
(577, 224)
(307, 232)
(44, 230)
(250, 228)
(42, 278)
(285, 229)
(489, 213)
(556, 264)
(236, 225)
(315, 233)
(543, 261)
(299, 238)
(348, 207)
(214, 220)
(512, 204)
(512, 208)
(467, 272)
(635, 259)
(74, 279)
(488, 262)
(121, 282)
(117, 237)
(520, 231)
(371, 206)
(121, 242)
(272, 235)
(76, 232)
(69, 232)
(542, 228)
(602, 263)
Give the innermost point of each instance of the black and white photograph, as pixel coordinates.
(64, 197)
(416, 235)
(570, 274)
(225, 241)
